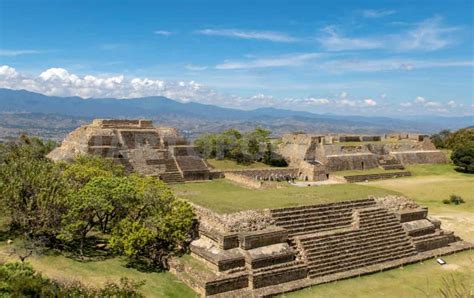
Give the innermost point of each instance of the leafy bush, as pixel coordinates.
(463, 157)
(454, 199)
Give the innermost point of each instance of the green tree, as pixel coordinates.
(32, 190)
(439, 139)
(463, 157)
(158, 225)
(254, 139)
(207, 145)
(86, 167)
(461, 138)
(100, 203)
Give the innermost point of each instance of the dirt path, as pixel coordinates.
(461, 223)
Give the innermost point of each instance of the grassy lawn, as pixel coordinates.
(430, 184)
(417, 280)
(224, 197)
(97, 273)
(364, 172)
(226, 164)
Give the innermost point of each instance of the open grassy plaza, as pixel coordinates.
(225, 197)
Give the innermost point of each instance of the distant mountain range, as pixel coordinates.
(26, 110)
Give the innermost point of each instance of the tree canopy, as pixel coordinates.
(65, 203)
(242, 147)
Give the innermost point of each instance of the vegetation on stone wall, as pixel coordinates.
(62, 205)
(241, 147)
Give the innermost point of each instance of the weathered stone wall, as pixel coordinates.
(265, 173)
(245, 181)
(250, 220)
(420, 157)
(370, 177)
(312, 172)
(351, 162)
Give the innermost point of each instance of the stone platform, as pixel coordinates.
(139, 146)
(269, 252)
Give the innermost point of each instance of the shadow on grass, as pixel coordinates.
(463, 170)
(144, 265)
(95, 249)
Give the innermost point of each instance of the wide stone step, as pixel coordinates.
(279, 275)
(279, 266)
(382, 228)
(318, 229)
(321, 244)
(322, 208)
(312, 218)
(345, 243)
(363, 256)
(350, 266)
(356, 246)
(309, 224)
(429, 236)
(172, 177)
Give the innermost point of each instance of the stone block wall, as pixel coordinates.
(352, 162)
(243, 180)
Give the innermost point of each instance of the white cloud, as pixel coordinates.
(389, 64)
(377, 13)
(13, 53)
(347, 103)
(8, 72)
(333, 41)
(60, 82)
(420, 99)
(249, 34)
(428, 35)
(280, 61)
(195, 67)
(163, 32)
(370, 102)
(318, 101)
(432, 104)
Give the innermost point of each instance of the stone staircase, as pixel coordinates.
(191, 163)
(318, 218)
(276, 274)
(439, 238)
(390, 163)
(172, 174)
(377, 237)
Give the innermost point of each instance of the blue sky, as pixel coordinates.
(344, 57)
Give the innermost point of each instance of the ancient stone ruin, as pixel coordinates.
(317, 155)
(139, 146)
(268, 252)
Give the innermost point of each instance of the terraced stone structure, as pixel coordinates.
(267, 252)
(320, 154)
(139, 146)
